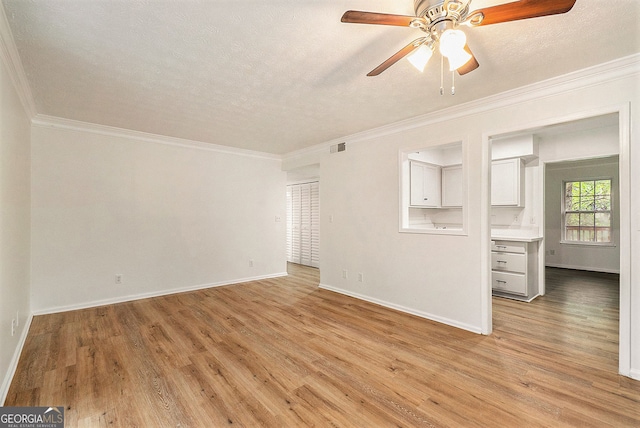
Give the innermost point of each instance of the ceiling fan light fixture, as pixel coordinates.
(420, 57)
(452, 43)
(458, 59)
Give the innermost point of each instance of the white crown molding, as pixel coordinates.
(11, 58)
(76, 125)
(617, 69)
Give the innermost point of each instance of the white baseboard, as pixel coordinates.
(421, 314)
(130, 298)
(634, 374)
(584, 268)
(8, 377)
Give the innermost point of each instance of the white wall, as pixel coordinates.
(15, 216)
(575, 256)
(446, 278)
(165, 217)
(433, 276)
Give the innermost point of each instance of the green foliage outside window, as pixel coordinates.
(587, 211)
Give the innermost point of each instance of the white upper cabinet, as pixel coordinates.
(433, 189)
(452, 186)
(425, 184)
(507, 183)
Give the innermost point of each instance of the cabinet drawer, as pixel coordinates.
(509, 282)
(509, 246)
(512, 262)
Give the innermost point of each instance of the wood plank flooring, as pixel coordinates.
(283, 353)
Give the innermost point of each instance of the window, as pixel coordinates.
(587, 211)
(433, 189)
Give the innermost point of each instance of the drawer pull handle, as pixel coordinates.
(501, 246)
(501, 281)
(502, 261)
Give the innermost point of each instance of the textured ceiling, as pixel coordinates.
(281, 75)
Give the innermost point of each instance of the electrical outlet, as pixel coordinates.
(119, 279)
(13, 327)
(17, 318)
(345, 274)
(516, 218)
(360, 277)
(250, 262)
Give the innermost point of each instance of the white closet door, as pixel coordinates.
(315, 224)
(289, 224)
(303, 224)
(295, 224)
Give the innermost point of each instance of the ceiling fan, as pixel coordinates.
(439, 19)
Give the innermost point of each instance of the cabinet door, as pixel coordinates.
(425, 184)
(452, 186)
(507, 181)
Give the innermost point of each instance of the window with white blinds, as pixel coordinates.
(303, 223)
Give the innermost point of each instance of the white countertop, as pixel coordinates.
(516, 238)
(520, 235)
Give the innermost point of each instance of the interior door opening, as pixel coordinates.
(589, 143)
(303, 216)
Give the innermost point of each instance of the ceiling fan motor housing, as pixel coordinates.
(434, 11)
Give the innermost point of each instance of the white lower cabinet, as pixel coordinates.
(508, 282)
(514, 269)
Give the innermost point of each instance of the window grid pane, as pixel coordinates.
(587, 211)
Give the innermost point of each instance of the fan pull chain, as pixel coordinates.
(453, 78)
(453, 82)
(441, 75)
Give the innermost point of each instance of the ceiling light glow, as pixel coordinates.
(452, 43)
(420, 57)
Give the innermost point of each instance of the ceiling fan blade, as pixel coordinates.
(470, 65)
(396, 57)
(357, 17)
(523, 9)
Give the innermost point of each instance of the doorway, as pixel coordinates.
(582, 214)
(303, 216)
(303, 223)
(601, 134)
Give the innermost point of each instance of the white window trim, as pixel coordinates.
(611, 243)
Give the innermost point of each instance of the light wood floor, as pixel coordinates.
(282, 352)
